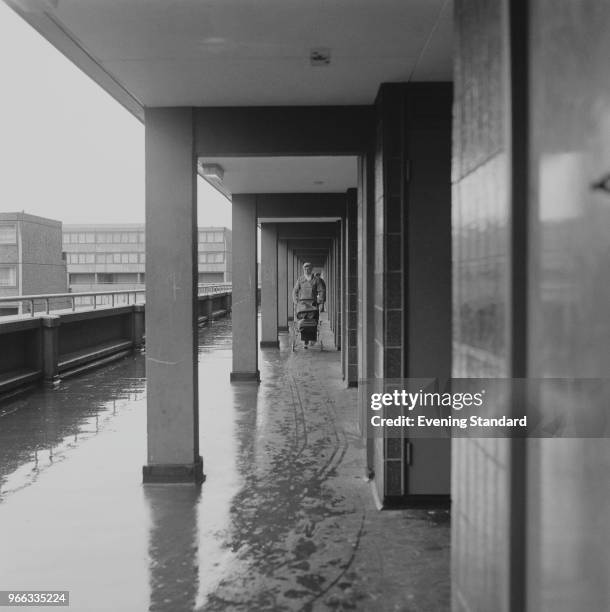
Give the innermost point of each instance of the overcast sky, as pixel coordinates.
(67, 149)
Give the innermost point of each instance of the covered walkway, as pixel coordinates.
(284, 521)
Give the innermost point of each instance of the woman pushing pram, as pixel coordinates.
(308, 296)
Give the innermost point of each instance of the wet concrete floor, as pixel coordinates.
(284, 521)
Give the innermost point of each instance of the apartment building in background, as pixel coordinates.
(31, 259)
(102, 255)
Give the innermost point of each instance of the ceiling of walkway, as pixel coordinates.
(321, 174)
(240, 53)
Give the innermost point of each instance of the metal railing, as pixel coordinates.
(93, 299)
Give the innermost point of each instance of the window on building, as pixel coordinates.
(116, 258)
(82, 278)
(8, 234)
(219, 257)
(8, 276)
(89, 238)
(133, 237)
(142, 257)
(133, 258)
(124, 258)
(217, 236)
(141, 236)
(116, 238)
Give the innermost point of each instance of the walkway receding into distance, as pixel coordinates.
(284, 521)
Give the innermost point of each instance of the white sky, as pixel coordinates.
(67, 149)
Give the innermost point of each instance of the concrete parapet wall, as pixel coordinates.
(49, 347)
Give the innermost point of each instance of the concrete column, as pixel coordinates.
(245, 324)
(351, 290)
(209, 309)
(50, 350)
(291, 281)
(269, 282)
(171, 298)
(366, 243)
(339, 287)
(330, 287)
(344, 312)
(138, 325)
(282, 285)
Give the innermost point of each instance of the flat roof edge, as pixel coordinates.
(67, 44)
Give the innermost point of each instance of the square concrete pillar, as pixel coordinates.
(351, 289)
(282, 285)
(245, 285)
(50, 350)
(269, 289)
(137, 327)
(291, 282)
(171, 298)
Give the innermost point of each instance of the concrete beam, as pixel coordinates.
(285, 130)
(299, 205)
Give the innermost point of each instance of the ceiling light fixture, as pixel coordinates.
(212, 172)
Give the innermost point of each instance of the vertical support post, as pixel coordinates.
(138, 324)
(171, 298)
(50, 350)
(269, 281)
(291, 282)
(351, 289)
(339, 285)
(245, 286)
(282, 285)
(209, 308)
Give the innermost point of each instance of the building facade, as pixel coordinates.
(99, 255)
(31, 260)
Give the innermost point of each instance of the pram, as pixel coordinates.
(306, 323)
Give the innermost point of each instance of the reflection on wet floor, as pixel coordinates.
(284, 521)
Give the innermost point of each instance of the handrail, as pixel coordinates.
(202, 289)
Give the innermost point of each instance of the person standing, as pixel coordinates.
(308, 296)
(309, 287)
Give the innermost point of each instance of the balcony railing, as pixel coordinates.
(93, 299)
